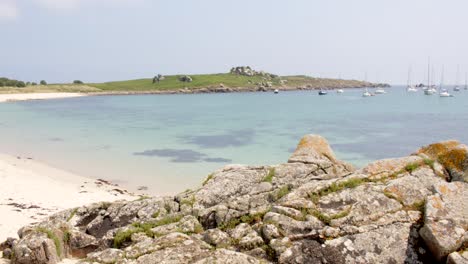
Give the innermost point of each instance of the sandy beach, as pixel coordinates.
(31, 190)
(36, 96)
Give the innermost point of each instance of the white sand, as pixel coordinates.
(30, 191)
(36, 96)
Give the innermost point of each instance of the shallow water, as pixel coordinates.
(171, 142)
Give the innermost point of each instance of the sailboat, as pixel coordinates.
(443, 92)
(380, 90)
(366, 93)
(466, 81)
(456, 88)
(410, 88)
(430, 89)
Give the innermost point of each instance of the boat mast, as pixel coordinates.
(441, 79)
(409, 77)
(429, 73)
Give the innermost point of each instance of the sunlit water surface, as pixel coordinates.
(171, 142)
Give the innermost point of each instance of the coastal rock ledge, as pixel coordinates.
(313, 209)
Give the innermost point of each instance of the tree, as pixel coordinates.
(77, 82)
(20, 84)
(33, 84)
(42, 82)
(158, 78)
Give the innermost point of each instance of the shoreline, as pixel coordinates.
(13, 97)
(221, 90)
(27, 96)
(32, 190)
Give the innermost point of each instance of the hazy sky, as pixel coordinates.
(101, 40)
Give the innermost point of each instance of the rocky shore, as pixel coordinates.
(222, 89)
(312, 209)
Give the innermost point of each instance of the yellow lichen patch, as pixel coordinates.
(454, 159)
(393, 191)
(443, 189)
(438, 149)
(436, 202)
(451, 154)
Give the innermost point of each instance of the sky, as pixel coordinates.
(104, 40)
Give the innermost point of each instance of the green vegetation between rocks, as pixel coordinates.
(124, 236)
(51, 235)
(73, 213)
(248, 219)
(270, 175)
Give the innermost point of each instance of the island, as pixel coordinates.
(238, 79)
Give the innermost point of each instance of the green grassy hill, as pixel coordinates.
(235, 82)
(172, 82)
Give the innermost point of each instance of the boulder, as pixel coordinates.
(452, 155)
(36, 248)
(314, 149)
(446, 219)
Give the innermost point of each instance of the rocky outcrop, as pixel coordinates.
(313, 209)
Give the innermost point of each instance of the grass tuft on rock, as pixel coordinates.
(412, 167)
(122, 237)
(336, 187)
(248, 219)
(208, 179)
(51, 235)
(73, 213)
(270, 175)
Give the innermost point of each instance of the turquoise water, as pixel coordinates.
(171, 142)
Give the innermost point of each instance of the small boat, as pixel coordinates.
(444, 93)
(380, 91)
(410, 88)
(366, 93)
(276, 91)
(430, 90)
(340, 91)
(322, 92)
(466, 81)
(456, 88)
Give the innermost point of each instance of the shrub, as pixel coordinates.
(42, 82)
(77, 82)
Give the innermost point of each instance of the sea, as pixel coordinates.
(169, 143)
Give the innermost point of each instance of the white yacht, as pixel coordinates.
(366, 93)
(340, 91)
(410, 88)
(380, 91)
(276, 91)
(430, 89)
(443, 92)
